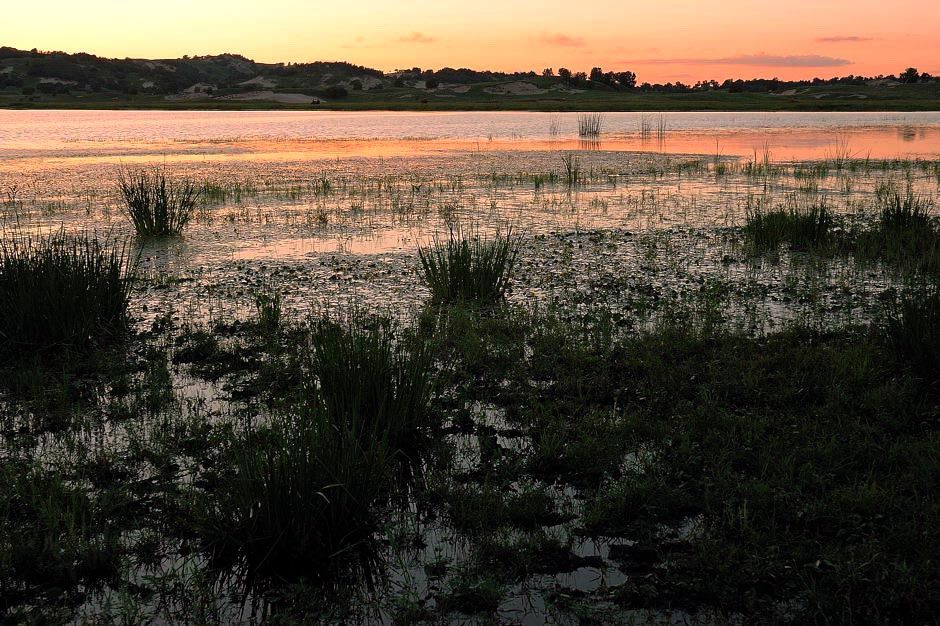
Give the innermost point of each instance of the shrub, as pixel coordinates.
(469, 269)
(61, 291)
(157, 206)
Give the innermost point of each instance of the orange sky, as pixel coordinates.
(662, 40)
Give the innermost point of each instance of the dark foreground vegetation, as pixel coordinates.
(728, 475)
(38, 79)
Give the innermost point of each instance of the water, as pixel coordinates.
(325, 134)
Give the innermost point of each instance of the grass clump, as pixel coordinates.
(302, 496)
(801, 228)
(469, 269)
(368, 373)
(158, 206)
(298, 500)
(913, 330)
(61, 291)
(904, 235)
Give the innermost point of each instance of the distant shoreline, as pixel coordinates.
(665, 105)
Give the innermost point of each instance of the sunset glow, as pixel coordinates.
(672, 40)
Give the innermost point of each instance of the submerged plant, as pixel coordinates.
(158, 206)
(469, 269)
(61, 291)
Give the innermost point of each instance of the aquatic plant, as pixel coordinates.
(590, 125)
(61, 291)
(912, 329)
(572, 169)
(158, 206)
(369, 374)
(268, 302)
(472, 269)
(897, 213)
(801, 228)
(298, 500)
(905, 234)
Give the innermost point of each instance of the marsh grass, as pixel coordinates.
(298, 500)
(50, 533)
(572, 166)
(62, 292)
(905, 234)
(912, 329)
(268, 306)
(590, 125)
(370, 373)
(157, 206)
(801, 228)
(303, 495)
(469, 268)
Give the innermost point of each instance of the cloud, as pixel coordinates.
(560, 39)
(843, 39)
(417, 37)
(764, 60)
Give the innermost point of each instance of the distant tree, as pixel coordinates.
(336, 92)
(627, 80)
(356, 84)
(579, 77)
(399, 82)
(432, 83)
(548, 73)
(597, 75)
(565, 74)
(926, 77)
(910, 75)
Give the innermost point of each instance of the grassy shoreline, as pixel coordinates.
(855, 99)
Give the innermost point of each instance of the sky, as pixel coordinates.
(660, 40)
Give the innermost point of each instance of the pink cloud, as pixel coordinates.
(765, 60)
(843, 39)
(560, 39)
(417, 37)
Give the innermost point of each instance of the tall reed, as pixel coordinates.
(590, 125)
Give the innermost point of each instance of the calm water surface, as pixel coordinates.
(322, 134)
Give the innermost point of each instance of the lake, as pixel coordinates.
(321, 134)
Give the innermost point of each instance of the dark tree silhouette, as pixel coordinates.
(910, 75)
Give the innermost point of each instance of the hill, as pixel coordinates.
(35, 79)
